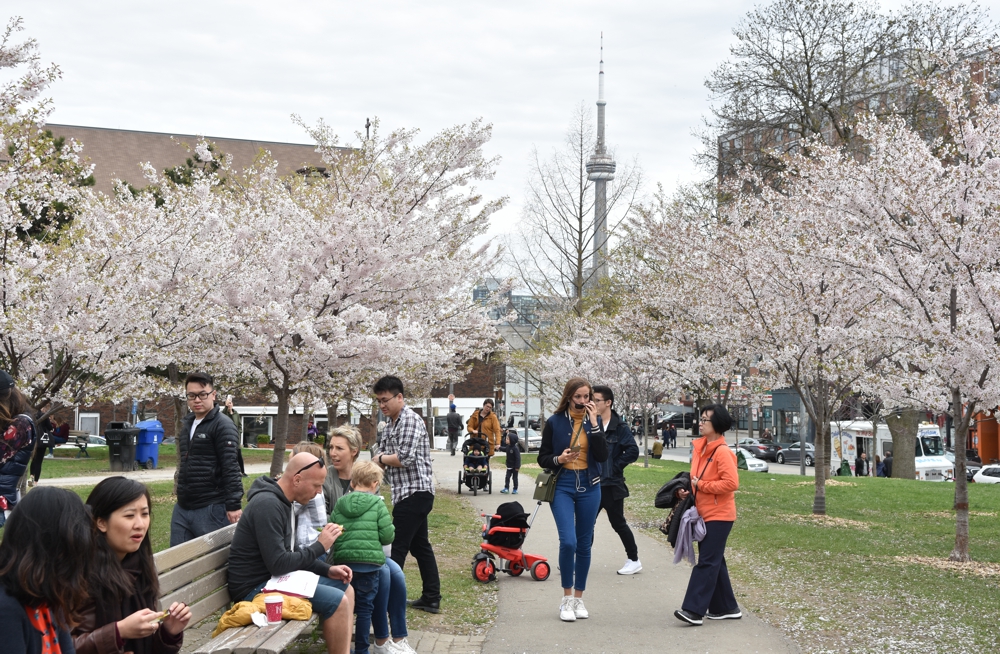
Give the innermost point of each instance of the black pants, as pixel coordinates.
(616, 515)
(511, 472)
(709, 589)
(452, 441)
(409, 517)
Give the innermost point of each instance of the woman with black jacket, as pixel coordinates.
(573, 444)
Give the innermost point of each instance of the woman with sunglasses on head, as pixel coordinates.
(45, 557)
(574, 445)
(709, 592)
(123, 612)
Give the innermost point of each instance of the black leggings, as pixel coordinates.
(511, 472)
(616, 514)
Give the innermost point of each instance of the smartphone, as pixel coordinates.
(580, 406)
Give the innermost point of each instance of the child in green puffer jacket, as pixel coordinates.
(367, 527)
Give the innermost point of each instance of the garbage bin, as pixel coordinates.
(147, 449)
(121, 445)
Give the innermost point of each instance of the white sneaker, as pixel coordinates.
(567, 609)
(384, 648)
(579, 610)
(631, 567)
(400, 647)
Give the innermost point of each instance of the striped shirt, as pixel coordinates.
(407, 438)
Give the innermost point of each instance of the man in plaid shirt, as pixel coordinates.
(405, 454)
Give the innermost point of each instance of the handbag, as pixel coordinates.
(545, 482)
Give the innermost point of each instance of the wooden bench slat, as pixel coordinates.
(184, 574)
(255, 640)
(280, 641)
(206, 607)
(227, 640)
(181, 554)
(194, 591)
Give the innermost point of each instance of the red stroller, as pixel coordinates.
(503, 536)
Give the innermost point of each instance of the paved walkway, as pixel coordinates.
(627, 614)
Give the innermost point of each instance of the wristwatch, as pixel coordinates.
(380, 460)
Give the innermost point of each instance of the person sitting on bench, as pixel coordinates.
(263, 541)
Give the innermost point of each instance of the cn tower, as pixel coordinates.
(600, 170)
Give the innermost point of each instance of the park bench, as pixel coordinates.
(81, 439)
(195, 573)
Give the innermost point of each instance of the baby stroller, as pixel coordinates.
(475, 472)
(504, 535)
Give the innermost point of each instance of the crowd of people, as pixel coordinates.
(80, 576)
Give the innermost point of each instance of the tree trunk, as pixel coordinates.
(903, 427)
(961, 551)
(821, 462)
(280, 431)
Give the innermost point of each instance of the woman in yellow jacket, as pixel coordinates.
(486, 421)
(709, 592)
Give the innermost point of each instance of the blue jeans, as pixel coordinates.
(188, 524)
(391, 598)
(574, 508)
(325, 600)
(366, 584)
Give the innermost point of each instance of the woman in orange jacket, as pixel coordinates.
(709, 592)
(485, 422)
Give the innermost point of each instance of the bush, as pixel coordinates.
(263, 439)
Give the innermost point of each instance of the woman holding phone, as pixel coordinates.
(573, 445)
(122, 614)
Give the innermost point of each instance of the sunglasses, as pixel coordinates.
(317, 462)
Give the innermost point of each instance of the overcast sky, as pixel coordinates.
(239, 69)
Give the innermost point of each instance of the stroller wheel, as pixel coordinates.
(540, 570)
(515, 569)
(475, 491)
(484, 571)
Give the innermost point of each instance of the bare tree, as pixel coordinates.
(551, 256)
(803, 69)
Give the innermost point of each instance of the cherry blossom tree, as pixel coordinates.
(921, 219)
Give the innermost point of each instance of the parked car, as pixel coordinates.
(532, 442)
(791, 453)
(680, 420)
(988, 474)
(972, 466)
(535, 422)
(762, 449)
(96, 440)
(754, 464)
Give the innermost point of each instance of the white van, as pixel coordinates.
(850, 437)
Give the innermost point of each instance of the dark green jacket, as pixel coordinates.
(367, 527)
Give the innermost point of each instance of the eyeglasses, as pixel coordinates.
(600, 400)
(704, 420)
(204, 395)
(382, 401)
(317, 462)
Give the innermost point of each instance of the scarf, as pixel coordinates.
(40, 618)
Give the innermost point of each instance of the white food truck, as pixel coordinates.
(850, 437)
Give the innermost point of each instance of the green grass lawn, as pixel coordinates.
(66, 465)
(871, 576)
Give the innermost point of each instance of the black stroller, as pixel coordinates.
(475, 472)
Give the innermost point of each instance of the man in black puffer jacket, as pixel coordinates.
(209, 482)
(622, 450)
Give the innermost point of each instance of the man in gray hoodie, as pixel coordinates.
(264, 546)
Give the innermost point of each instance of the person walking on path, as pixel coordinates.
(513, 460)
(405, 453)
(714, 481)
(672, 434)
(622, 450)
(233, 415)
(887, 464)
(264, 546)
(574, 446)
(209, 482)
(454, 428)
(485, 422)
